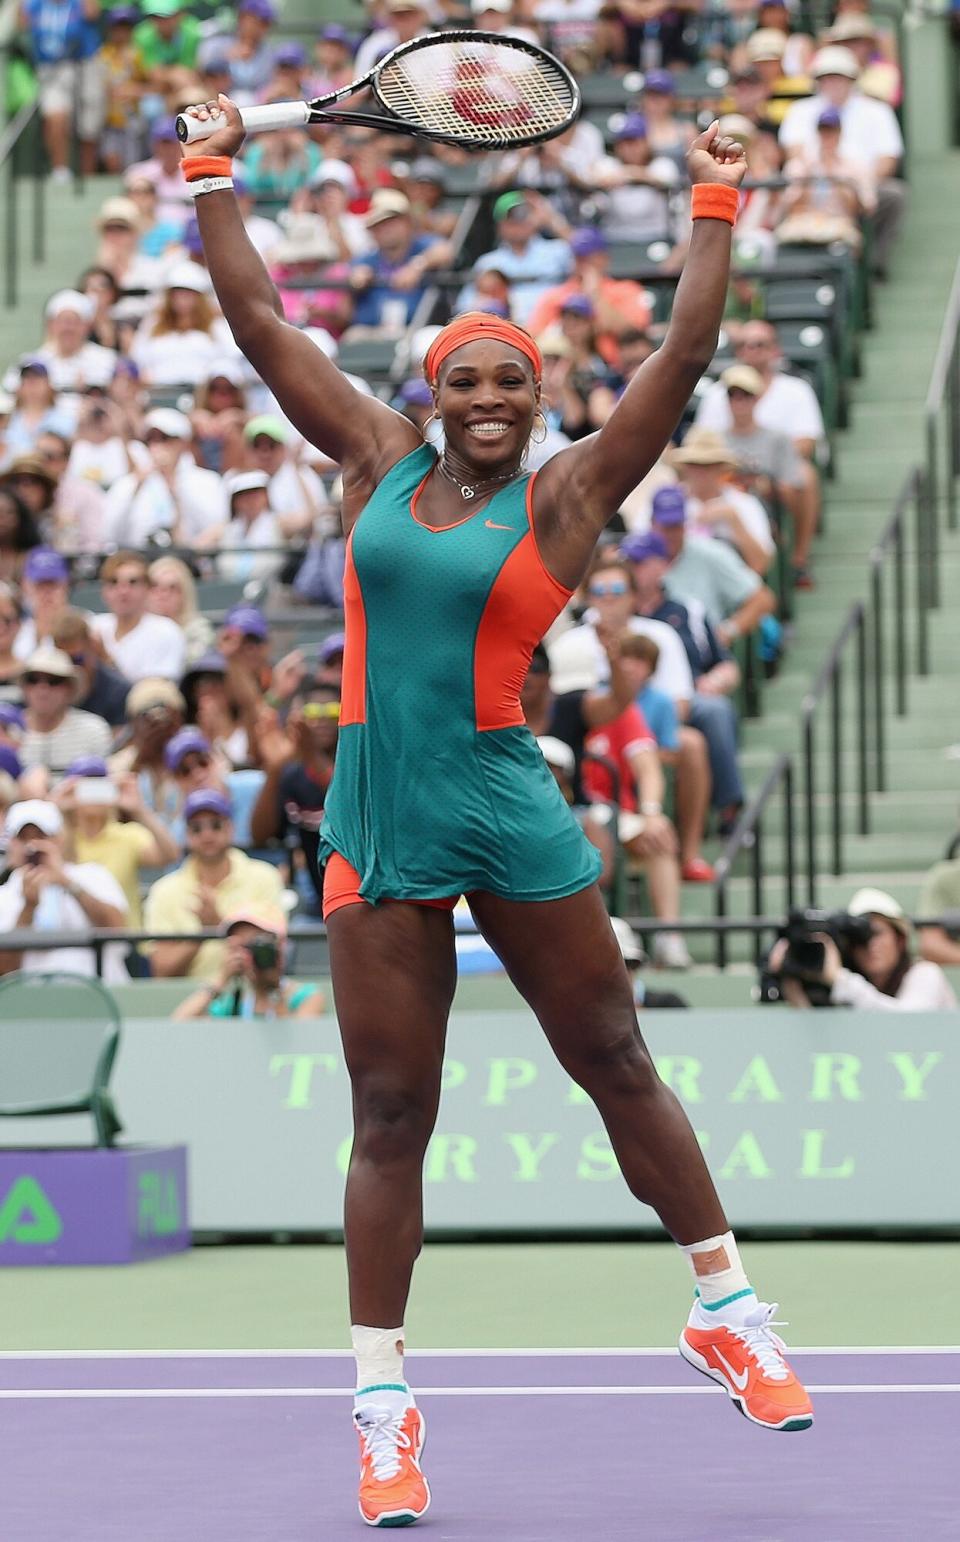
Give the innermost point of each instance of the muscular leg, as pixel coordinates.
(563, 958)
(394, 974)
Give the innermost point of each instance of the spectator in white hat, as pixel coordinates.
(168, 499)
(789, 405)
(715, 507)
(880, 975)
(326, 198)
(252, 526)
(73, 361)
(869, 136)
(405, 20)
(45, 893)
(499, 16)
(185, 337)
(56, 732)
(119, 252)
(390, 281)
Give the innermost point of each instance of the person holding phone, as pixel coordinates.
(251, 982)
(45, 893)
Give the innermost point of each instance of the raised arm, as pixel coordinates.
(362, 434)
(580, 488)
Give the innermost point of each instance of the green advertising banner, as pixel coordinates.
(821, 1119)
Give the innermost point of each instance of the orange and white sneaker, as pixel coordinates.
(747, 1359)
(393, 1490)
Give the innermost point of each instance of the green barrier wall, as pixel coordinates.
(822, 1119)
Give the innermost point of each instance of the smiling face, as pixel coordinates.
(487, 399)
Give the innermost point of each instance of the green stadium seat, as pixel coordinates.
(368, 356)
(88, 595)
(59, 1035)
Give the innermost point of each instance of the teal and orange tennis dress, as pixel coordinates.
(440, 789)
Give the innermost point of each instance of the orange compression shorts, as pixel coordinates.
(341, 886)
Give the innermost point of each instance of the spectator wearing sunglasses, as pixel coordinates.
(214, 880)
(100, 688)
(56, 730)
(140, 644)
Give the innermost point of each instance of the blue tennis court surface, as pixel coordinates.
(521, 1447)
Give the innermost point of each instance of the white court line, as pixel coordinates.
(441, 1354)
(95, 1394)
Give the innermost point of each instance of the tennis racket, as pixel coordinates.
(478, 90)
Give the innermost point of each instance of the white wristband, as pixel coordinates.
(208, 185)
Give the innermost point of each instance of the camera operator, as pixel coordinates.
(251, 982)
(878, 973)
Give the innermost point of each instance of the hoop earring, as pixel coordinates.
(433, 418)
(539, 438)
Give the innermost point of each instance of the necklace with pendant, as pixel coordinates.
(468, 490)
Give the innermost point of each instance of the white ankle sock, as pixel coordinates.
(719, 1274)
(379, 1354)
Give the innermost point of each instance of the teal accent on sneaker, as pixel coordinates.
(714, 1306)
(382, 1386)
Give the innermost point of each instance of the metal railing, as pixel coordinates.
(887, 636)
(943, 413)
(12, 141)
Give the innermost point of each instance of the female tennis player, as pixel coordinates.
(457, 564)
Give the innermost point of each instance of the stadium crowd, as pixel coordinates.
(157, 761)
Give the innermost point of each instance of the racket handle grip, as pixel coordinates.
(276, 115)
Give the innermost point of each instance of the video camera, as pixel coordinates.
(805, 956)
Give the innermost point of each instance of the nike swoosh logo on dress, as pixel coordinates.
(492, 525)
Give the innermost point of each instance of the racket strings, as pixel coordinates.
(493, 96)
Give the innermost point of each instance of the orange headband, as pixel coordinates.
(470, 328)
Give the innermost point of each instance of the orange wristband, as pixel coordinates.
(714, 201)
(197, 166)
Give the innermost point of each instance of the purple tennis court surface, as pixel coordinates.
(522, 1447)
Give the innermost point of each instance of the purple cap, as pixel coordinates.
(829, 118)
(330, 647)
(261, 8)
(10, 761)
(34, 366)
(639, 546)
(219, 64)
(87, 765)
(127, 15)
(578, 305)
(206, 800)
(291, 56)
(127, 367)
(416, 393)
(334, 33)
(46, 566)
(668, 506)
(248, 620)
(493, 307)
(659, 80)
(191, 236)
(165, 129)
(587, 240)
(11, 716)
(187, 741)
(634, 126)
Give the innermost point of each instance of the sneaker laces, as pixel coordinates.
(383, 1438)
(767, 1347)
